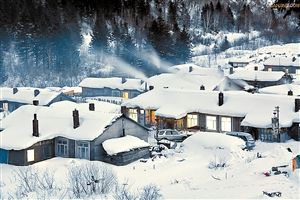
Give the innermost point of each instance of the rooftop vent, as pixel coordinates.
(202, 87)
(290, 93)
(123, 80)
(91, 106)
(36, 92)
(221, 98)
(75, 119)
(35, 126)
(35, 102)
(15, 90)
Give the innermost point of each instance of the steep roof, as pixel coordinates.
(256, 108)
(26, 95)
(113, 83)
(54, 121)
(250, 75)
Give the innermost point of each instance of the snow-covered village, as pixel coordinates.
(149, 99)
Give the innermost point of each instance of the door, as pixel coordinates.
(3, 156)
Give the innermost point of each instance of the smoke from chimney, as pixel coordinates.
(35, 126)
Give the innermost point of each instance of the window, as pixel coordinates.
(132, 113)
(82, 150)
(134, 94)
(192, 120)
(5, 106)
(62, 147)
(179, 124)
(116, 93)
(211, 123)
(46, 151)
(30, 155)
(226, 124)
(168, 133)
(270, 69)
(125, 95)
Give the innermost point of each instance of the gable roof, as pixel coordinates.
(113, 83)
(55, 121)
(26, 95)
(256, 108)
(250, 75)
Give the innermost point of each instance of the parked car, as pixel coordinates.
(170, 134)
(247, 137)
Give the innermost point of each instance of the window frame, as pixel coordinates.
(223, 128)
(30, 155)
(215, 122)
(192, 120)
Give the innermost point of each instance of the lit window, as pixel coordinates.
(269, 69)
(5, 106)
(226, 124)
(30, 155)
(125, 95)
(211, 122)
(142, 112)
(132, 113)
(192, 120)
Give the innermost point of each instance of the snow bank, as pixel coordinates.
(212, 140)
(123, 144)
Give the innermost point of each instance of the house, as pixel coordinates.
(64, 129)
(191, 68)
(217, 111)
(125, 149)
(284, 89)
(239, 62)
(259, 79)
(113, 87)
(13, 98)
(288, 64)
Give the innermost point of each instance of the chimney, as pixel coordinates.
(123, 110)
(151, 87)
(91, 106)
(297, 105)
(35, 126)
(15, 90)
(36, 92)
(75, 119)
(35, 102)
(202, 87)
(290, 93)
(221, 98)
(255, 68)
(123, 80)
(190, 68)
(231, 70)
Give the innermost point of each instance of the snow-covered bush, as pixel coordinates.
(27, 179)
(218, 163)
(150, 192)
(89, 179)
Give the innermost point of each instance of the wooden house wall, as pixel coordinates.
(93, 92)
(291, 69)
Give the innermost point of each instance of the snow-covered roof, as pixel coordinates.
(185, 68)
(26, 95)
(244, 59)
(54, 121)
(123, 144)
(252, 66)
(250, 75)
(256, 108)
(281, 89)
(286, 61)
(113, 83)
(286, 49)
(184, 81)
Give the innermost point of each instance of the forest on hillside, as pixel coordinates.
(58, 42)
